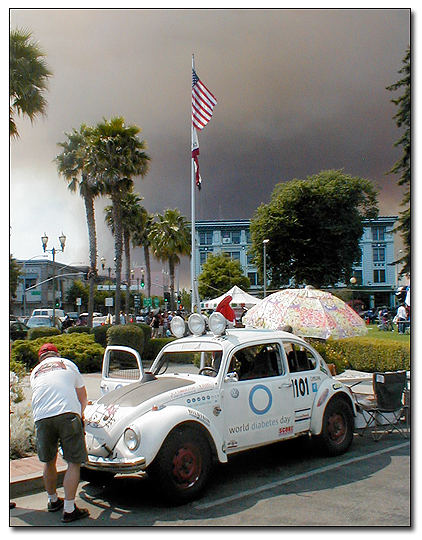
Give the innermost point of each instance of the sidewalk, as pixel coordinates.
(26, 475)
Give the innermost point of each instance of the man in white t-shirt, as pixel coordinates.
(58, 401)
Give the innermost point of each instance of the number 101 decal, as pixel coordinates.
(300, 387)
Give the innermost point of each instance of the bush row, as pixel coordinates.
(86, 347)
(363, 355)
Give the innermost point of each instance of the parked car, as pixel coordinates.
(207, 397)
(49, 312)
(18, 330)
(43, 320)
(83, 318)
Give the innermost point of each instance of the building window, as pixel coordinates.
(203, 256)
(253, 278)
(358, 275)
(236, 237)
(378, 234)
(378, 253)
(205, 238)
(379, 276)
(234, 255)
(226, 237)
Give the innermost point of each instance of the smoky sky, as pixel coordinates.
(298, 91)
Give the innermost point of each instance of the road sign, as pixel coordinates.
(109, 302)
(147, 302)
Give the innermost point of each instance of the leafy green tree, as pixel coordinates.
(314, 227)
(170, 239)
(14, 273)
(219, 274)
(71, 164)
(115, 157)
(403, 164)
(132, 217)
(28, 78)
(78, 289)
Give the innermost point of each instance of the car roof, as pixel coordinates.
(238, 336)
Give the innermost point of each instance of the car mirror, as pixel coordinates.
(231, 377)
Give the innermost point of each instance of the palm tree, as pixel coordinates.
(28, 78)
(71, 164)
(142, 237)
(170, 239)
(132, 219)
(115, 157)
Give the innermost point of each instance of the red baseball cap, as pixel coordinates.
(47, 347)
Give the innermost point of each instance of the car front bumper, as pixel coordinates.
(115, 465)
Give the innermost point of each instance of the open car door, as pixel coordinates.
(121, 366)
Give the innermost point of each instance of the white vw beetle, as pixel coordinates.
(208, 396)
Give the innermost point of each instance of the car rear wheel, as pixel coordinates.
(181, 468)
(337, 428)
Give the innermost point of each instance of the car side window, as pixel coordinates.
(299, 358)
(256, 362)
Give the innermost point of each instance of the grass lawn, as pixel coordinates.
(374, 333)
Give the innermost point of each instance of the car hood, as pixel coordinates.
(106, 419)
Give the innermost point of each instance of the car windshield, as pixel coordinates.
(185, 361)
(39, 321)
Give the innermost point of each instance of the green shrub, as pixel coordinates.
(78, 330)
(363, 355)
(155, 346)
(41, 331)
(128, 335)
(100, 334)
(146, 329)
(79, 348)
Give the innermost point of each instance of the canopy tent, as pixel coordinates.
(239, 299)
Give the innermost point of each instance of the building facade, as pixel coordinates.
(376, 275)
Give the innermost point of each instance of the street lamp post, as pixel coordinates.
(53, 251)
(265, 242)
(353, 282)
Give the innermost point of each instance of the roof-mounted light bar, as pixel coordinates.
(197, 324)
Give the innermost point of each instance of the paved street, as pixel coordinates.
(287, 484)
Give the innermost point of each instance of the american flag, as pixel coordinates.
(203, 103)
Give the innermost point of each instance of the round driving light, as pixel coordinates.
(178, 326)
(131, 439)
(218, 323)
(196, 324)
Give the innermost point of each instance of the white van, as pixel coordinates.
(49, 312)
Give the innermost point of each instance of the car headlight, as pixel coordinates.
(132, 438)
(218, 323)
(197, 324)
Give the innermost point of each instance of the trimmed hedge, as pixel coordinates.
(78, 330)
(79, 348)
(100, 334)
(126, 334)
(41, 331)
(363, 355)
(155, 346)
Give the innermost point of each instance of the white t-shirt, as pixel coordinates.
(401, 313)
(53, 383)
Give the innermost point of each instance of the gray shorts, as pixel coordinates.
(65, 429)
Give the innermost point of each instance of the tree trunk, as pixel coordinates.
(171, 272)
(118, 248)
(148, 269)
(92, 238)
(126, 240)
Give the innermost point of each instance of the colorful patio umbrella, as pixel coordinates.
(310, 312)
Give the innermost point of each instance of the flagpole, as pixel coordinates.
(193, 224)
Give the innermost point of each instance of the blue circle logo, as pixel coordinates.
(257, 404)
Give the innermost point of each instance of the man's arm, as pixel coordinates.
(82, 397)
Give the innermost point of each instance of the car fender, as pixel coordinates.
(155, 425)
(329, 389)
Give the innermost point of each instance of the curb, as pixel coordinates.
(33, 482)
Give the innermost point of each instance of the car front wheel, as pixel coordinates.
(181, 468)
(337, 428)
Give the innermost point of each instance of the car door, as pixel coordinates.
(305, 380)
(257, 400)
(121, 366)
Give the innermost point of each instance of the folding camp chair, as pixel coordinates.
(388, 411)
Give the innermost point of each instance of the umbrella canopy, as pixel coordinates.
(310, 312)
(239, 299)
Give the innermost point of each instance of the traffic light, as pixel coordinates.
(142, 282)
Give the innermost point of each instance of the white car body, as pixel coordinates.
(135, 420)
